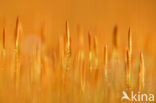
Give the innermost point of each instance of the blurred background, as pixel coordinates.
(98, 16)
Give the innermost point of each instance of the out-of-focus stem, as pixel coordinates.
(129, 42)
(106, 62)
(68, 48)
(18, 32)
(128, 69)
(141, 72)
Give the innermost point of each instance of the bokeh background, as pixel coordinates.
(97, 16)
(93, 15)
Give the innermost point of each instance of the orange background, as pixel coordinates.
(98, 16)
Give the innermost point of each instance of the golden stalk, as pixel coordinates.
(106, 61)
(115, 37)
(128, 69)
(129, 59)
(141, 72)
(68, 47)
(129, 41)
(115, 53)
(68, 41)
(18, 32)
